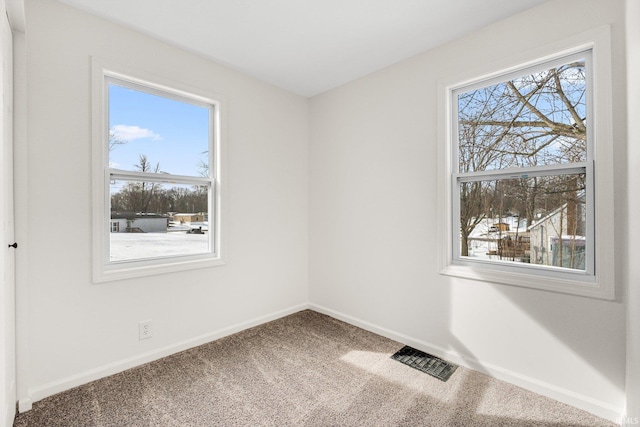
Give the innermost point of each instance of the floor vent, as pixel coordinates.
(432, 365)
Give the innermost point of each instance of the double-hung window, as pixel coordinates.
(522, 157)
(156, 177)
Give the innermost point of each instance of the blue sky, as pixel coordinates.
(523, 145)
(172, 133)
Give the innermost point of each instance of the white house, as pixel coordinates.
(148, 223)
(330, 194)
(138, 224)
(554, 240)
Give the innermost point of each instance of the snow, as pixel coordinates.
(482, 239)
(135, 246)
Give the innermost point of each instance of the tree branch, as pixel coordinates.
(565, 101)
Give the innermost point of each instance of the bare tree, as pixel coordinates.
(537, 119)
(147, 189)
(203, 165)
(115, 140)
(151, 197)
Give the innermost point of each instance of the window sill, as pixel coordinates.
(582, 285)
(135, 269)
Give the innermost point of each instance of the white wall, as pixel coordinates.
(373, 224)
(633, 236)
(7, 255)
(71, 330)
(366, 218)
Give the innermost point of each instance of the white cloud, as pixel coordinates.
(131, 133)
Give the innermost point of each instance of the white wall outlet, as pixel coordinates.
(144, 329)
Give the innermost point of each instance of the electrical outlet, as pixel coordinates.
(144, 329)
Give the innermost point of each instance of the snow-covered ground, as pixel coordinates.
(176, 226)
(483, 239)
(132, 246)
(483, 229)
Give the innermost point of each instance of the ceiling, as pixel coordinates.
(305, 46)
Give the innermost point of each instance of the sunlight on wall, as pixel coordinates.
(537, 332)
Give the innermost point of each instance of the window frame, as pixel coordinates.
(597, 280)
(104, 270)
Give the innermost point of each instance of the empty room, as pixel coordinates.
(314, 213)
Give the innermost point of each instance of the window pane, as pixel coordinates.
(151, 133)
(537, 220)
(155, 220)
(534, 120)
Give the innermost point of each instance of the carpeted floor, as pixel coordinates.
(306, 369)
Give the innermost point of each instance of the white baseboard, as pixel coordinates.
(25, 404)
(594, 406)
(40, 392)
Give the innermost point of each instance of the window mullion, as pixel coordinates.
(155, 177)
(529, 172)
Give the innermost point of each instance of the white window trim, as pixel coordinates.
(103, 270)
(600, 284)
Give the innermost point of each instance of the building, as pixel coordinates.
(138, 223)
(332, 205)
(556, 241)
(189, 218)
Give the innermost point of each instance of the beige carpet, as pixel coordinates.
(306, 369)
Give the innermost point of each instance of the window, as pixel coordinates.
(522, 193)
(523, 152)
(156, 176)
